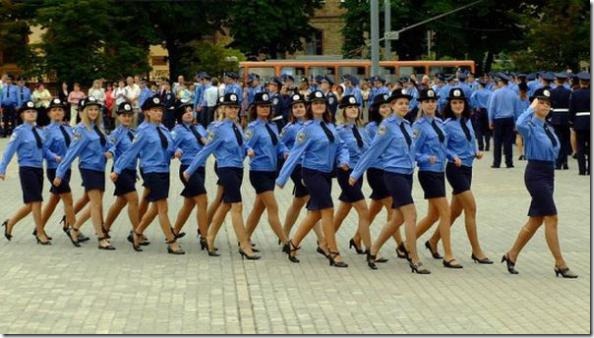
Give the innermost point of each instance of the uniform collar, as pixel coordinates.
(187, 125)
(538, 121)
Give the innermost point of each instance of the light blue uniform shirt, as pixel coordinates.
(480, 99)
(427, 144)
(260, 141)
(457, 144)
(504, 103)
(345, 131)
(186, 142)
(289, 133)
(120, 142)
(23, 143)
(371, 130)
(87, 146)
(56, 143)
(537, 144)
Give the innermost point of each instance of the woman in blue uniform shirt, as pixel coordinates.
(462, 149)
(265, 147)
(297, 120)
(90, 145)
(394, 145)
(216, 202)
(154, 146)
(226, 141)
(319, 149)
(542, 147)
(431, 152)
(349, 119)
(125, 187)
(189, 138)
(27, 142)
(58, 136)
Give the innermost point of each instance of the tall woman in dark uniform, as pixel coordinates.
(90, 145)
(319, 147)
(542, 148)
(154, 146)
(462, 149)
(58, 136)
(189, 138)
(226, 141)
(27, 142)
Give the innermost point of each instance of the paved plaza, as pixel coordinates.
(63, 289)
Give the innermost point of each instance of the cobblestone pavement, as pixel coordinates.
(62, 289)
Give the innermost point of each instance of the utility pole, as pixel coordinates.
(387, 28)
(374, 37)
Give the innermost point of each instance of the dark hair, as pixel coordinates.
(183, 112)
(253, 115)
(358, 120)
(292, 118)
(327, 117)
(448, 113)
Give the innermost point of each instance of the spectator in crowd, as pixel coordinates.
(74, 98)
(41, 97)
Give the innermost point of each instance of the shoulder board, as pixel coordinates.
(308, 122)
(253, 123)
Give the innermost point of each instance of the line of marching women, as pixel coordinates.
(312, 149)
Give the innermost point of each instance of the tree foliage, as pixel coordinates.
(209, 57)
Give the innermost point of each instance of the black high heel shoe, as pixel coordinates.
(179, 251)
(39, 241)
(358, 250)
(418, 268)
(451, 265)
(289, 248)
(105, 231)
(485, 260)
(63, 222)
(332, 259)
(252, 245)
(565, 273)
(371, 260)
(510, 265)
(401, 251)
(46, 235)
(178, 235)
(138, 236)
(82, 237)
(244, 255)
(435, 254)
(68, 232)
(6, 234)
(212, 252)
(107, 247)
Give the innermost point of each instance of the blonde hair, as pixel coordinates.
(84, 118)
(342, 119)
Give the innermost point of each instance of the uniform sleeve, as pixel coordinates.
(114, 141)
(284, 135)
(11, 148)
(251, 138)
(130, 155)
(448, 129)
(342, 152)
(77, 145)
(281, 148)
(302, 141)
(47, 153)
(492, 106)
(419, 140)
(523, 122)
(178, 138)
(378, 146)
(203, 154)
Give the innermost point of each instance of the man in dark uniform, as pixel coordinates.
(559, 118)
(579, 121)
(169, 101)
(326, 87)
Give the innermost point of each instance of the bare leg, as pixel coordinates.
(83, 217)
(329, 232)
(553, 240)
(147, 218)
(183, 214)
(394, 222)
(255, 215)
(114, 211)
(81, 203)
(201, 213)
(144, 202)
(305, 226)
(96, 200)
(163, 209)
(36, 211)
(426, 222)
(293, 212)
(133, 216)
(409, 213)
(273, 218)
(68, 209)
(49, 207)
(214, 205)
(524, 236)
(237, 220)
(363, 213)
(341, 213)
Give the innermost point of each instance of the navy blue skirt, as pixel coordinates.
(350, 193)
(539, 178)
(319, 185)
(195, 185)
(216, 170)
(400, 188)
(299, 190)
(31, 184)
(126, 182)
(375, 179)
(262, 181)
(231, 179)
(460, 178)
(64, 187)
(92, 179)
(158, 185)
(433, 184)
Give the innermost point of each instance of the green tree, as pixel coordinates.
(209, 57)
(14, 30)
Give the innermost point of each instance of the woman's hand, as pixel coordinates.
(345, 167)
(251, 153)
(108, 155)
(352, 181)
(432, 159)
(57, 181)
(457, 161)
(178, 154)
(113, 176)
(2, 177)
(58, 159)
(186, 176)
(479, 155)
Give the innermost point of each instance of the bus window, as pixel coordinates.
(266, 73)
(296, 72)
(357, 71)
(405, 71)
(315, 71)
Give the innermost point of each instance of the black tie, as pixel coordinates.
(22, 95)
(272, 134)
(327, 131)
(130, 135)
(550, 135)
(101, 136)
(358, 136)
(438, 131)
(164, 142)
(405, 133)
(465, 128)
(8, 92)
(37, 138)
(196, 135)
(66, 136)
(237, 134)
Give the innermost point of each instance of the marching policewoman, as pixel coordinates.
(27, 142)
(431, 151)
(216, 202)
(319, 147)
(461, 152)
(90, 145)
(226, 141)
(394, 145)
(300, 194)
(189, 138)
(125, 189)
(380, 196)
(352, 197)
(154, 146)
(264, 148)
(58, 136)
(542, 148)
